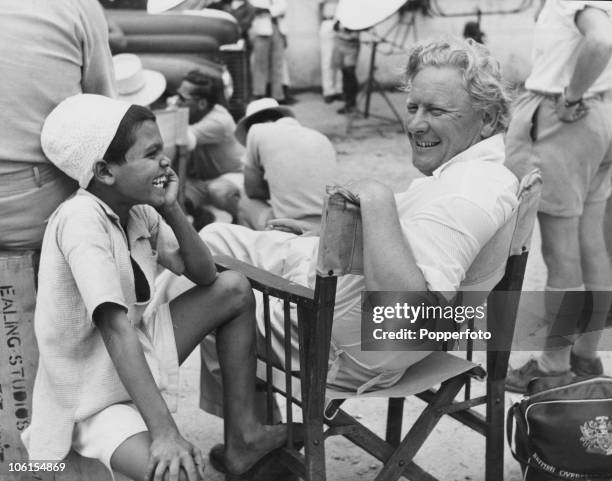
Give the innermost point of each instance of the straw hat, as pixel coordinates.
(135, 84)
(253, 110)
(77, 133)
(159, 6)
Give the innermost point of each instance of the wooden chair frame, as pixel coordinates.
(315, 316)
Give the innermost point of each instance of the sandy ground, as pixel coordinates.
(377, 149)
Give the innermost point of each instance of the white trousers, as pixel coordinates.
(331, 79)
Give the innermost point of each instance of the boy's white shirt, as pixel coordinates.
(85, 261)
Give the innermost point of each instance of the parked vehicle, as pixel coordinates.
(174, 43)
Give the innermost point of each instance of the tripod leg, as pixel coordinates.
(371, 80)
(389, 103)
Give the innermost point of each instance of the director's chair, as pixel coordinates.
(305, 385)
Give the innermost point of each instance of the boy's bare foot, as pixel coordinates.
(242, 453)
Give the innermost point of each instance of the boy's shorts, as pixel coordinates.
(100, 435)
(575, 158)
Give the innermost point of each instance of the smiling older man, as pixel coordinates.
(423, 239)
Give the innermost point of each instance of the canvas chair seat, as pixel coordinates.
(434, 369)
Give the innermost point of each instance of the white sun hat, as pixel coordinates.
(160, 6)
(135, 84)
(363, 14)
(253, 109)
(77, 133)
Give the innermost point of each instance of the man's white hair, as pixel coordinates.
(480, 70)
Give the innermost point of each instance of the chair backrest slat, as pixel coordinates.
(529, 198)
(502, 310)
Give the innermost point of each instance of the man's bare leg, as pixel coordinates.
(561, 252)
(597, 274)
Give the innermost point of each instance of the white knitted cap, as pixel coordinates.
(77, 133)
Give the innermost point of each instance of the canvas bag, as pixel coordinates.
(563, 432)
(18, 354)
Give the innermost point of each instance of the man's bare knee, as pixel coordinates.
(560, 242)
(592, 247)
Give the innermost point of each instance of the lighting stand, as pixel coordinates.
(372, 85)
(394, 39)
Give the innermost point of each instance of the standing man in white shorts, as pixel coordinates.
(563, 125)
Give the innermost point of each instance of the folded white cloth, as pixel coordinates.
(77, 133)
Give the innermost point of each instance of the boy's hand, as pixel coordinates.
(170, 452)
(172, 188)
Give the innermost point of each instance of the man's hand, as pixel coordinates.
(292, 226)
(571, 113)
(170, 451)
(172, 188)
(224, 195)
(367, 190)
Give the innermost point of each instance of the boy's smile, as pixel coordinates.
(161, 182)
(143, 178)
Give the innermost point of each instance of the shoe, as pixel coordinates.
(267, 468)
(337, 97)
(517, 380)
(347, 109)
(328, 99)
(584, 366)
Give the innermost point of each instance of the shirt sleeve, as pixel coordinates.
(98, 74)
(251, 157)
(86, 245)
(446, 239)
(165, 243)
(209, 130)
(192, 141)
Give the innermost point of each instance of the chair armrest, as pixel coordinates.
(266, 282)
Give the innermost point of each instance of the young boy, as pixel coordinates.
(108, 369)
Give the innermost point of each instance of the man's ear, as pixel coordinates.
(103, 172)
(489, 123)
(203, 105)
